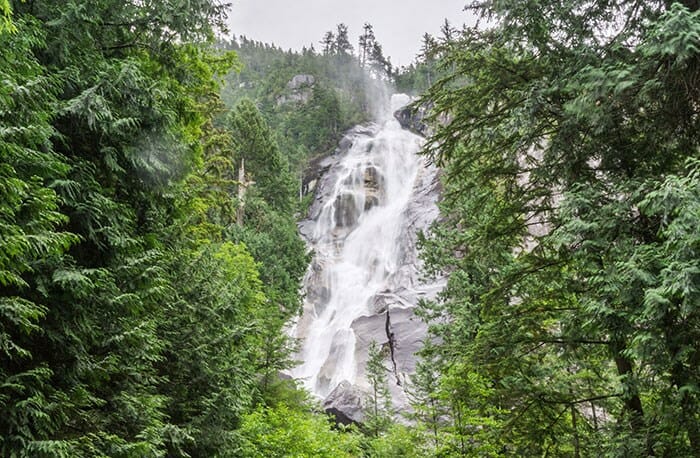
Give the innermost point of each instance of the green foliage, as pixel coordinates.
(132, 322)
(398, 441)
(6, 25)
(213, 335)
(341, 96)
(378, 410)
(272, 238)
(30, 236)
(560, 129)
(285, 432)
(420, 75)
(253, 142)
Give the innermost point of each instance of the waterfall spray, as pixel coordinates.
(363, 236)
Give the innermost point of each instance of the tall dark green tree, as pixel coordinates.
(343, 47)
(378, 407)
(104, 114)
(366, 42)
(564, 127)
(31, 240)
(328, 43)
(253, 141)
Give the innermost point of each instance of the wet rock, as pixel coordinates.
(337, 353)
(314, 171)
(399, 331)
(318, 291)
(345, 404)
(322, 172)
(371, 201)
(413, 118)
(346, 211)
(344, 145)
(374, 187)
(380, 303)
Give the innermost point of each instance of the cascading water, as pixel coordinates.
(363, 237)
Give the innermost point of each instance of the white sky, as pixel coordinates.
(398, 24)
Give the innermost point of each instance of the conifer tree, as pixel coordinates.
(366, 43)
(329, 44)
(378, 407)
(342, 47)
(569, 287)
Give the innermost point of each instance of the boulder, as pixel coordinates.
(413, 118)
(345, 404)
(318, 291)
(317, 167)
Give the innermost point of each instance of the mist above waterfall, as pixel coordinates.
(364, 279)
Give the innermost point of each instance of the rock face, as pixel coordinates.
(414, 119)
(373, 187)
(399, 333)
(300, 81)
(320, 166)
(345, 404)
(299, 90)
(372, 197)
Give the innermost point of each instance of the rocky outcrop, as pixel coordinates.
(299, 90)
(301, 81)
(346, 210)
(400, 333)
(413, 118)
(374, 187)
(320, 165)
(314, 171)
(345, 404)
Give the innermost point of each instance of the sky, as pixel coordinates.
(398, 24)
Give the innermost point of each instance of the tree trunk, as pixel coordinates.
(577, 445)
(631, 399)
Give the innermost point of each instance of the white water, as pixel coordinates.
(358, 248)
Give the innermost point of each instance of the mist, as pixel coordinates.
(398, 25)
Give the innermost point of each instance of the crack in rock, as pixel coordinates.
(391, 340)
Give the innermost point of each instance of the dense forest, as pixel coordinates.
(151, 178)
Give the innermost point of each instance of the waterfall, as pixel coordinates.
(362, 233)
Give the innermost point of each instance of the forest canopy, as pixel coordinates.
(151, 178)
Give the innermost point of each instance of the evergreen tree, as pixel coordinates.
(343, 47)
(138, 335)
(329, 44)
(366, 43)
(568, 292)
(378, 408)
(31, 241)
(253, 142)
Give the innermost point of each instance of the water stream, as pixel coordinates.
(362, 253)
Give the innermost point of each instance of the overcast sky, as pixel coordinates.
(398, 24)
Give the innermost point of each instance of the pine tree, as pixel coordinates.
(366, 43)
(253, 141)
(329, 44)
(343, 47)
(378, 408)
